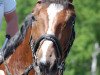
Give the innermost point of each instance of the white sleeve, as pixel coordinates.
(9, 6)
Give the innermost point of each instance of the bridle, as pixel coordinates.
(50, 38)
(60, 63)
(58, 49)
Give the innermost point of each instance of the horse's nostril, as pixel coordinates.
(50, 55)
(42, 66)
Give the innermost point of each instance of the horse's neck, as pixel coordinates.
(22, 56)
(24, 47)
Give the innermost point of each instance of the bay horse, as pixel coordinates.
(43, 43)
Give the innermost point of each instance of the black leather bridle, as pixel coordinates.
(34, 47)
(58, 49)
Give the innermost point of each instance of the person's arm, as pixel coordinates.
(11, 17)
(12, 23)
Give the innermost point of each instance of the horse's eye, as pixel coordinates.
(33, 18)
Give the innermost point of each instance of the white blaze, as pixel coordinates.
(44, 47)
(2, 72)
(52, 11)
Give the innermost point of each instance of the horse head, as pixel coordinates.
(51, 36)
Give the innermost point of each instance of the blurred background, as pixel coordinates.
(84, 56)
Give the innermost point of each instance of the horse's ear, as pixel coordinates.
(36, 9)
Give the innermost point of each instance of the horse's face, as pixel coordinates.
(51, 19)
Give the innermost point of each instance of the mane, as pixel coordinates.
(17, 39)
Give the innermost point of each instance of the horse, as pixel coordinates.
(43, 42)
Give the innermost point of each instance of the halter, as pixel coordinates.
(61, 63)
(50, 38)
(58, 49)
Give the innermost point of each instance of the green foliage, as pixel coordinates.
(87, 30)
(24, 7)
(2, 33)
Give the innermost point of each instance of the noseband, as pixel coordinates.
(50, 38)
